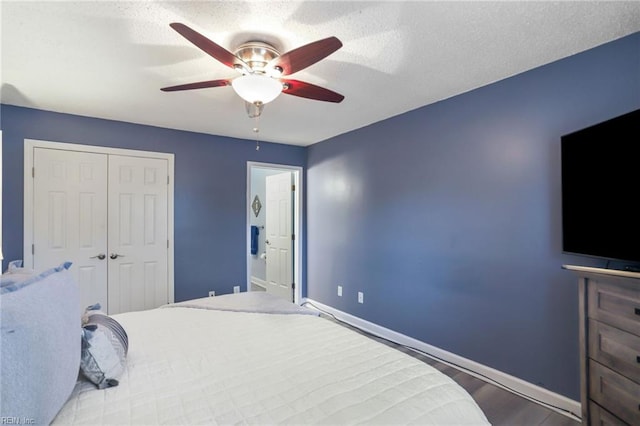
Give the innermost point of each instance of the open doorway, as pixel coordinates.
(274, 229)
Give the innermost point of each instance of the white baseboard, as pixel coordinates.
(257, 281)
(535, 393)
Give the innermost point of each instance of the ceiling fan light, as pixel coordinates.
(257, 88)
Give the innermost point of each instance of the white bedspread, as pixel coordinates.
(249, 301)
(197, 366)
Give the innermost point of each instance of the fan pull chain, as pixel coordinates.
(256, 130)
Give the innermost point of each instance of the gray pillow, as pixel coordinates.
(104, 348)
(40, 344)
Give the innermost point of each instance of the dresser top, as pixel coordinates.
(614, 272)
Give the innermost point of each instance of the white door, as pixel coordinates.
(108, 215)
(279, 235)
(70, 218)
(138, 242)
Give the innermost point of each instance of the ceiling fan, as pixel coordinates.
(261, 69)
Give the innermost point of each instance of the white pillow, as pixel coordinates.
(15, 273)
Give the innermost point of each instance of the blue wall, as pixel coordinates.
(210, 189)
(448, 217)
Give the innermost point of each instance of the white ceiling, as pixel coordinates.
(110, 59)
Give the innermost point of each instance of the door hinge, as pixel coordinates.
(33, 172)
(293, 187)
(293, 237)
(167, 179)
(293, 286)
(33, 249)
(167, 243)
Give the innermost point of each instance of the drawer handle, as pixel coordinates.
(637, 311)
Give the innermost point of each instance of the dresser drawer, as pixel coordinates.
(615, 304)
(614, 392)
(615, 349)
(601, 417)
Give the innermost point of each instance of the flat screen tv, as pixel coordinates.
(601, 190)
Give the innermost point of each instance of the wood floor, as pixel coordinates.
(502, 408)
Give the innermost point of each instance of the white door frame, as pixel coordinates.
(31, 144)
(297, 223)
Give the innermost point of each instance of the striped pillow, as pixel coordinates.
(104, 348)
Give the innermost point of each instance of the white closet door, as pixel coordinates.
(70, 218)
(279, 230)
(138, 250)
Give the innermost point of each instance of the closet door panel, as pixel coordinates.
(70, 218)
(138, 203)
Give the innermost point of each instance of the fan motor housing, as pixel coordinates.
(256, 54)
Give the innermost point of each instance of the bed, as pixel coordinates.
(251, 358)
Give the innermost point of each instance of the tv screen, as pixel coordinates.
(601, 189)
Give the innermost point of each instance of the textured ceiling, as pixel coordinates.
(110, 59)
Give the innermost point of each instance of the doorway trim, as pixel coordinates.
(297, 223)
(31, 144)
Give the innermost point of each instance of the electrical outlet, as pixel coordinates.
(236, 289)
(340, 290)
(212, 293)
(360, 297)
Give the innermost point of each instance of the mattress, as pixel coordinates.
(197, 364)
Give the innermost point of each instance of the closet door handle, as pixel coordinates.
(100, 256)
(115, 255)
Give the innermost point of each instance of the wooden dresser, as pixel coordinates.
(609, 307)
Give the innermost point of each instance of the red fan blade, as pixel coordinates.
(304, 56)
(216, 51)
(199, 85)
(310, 91)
